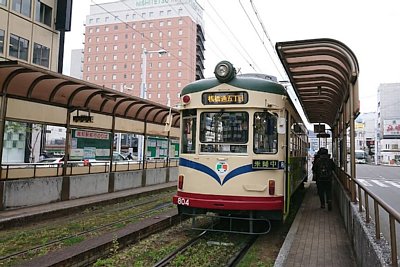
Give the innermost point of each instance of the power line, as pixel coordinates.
(262, 41)
(236, 39)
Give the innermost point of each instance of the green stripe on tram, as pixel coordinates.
(254, 84)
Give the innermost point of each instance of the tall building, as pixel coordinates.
(388, 123)
(30, 31)
(76, 70)
(167, 35)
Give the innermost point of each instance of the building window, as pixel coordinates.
(143, 25)
(180, 42)
(104, 67)
(41, 55)
(180, 22)
(161, 23)
(115, 47)
(114, 76)
(22, 6)
(43, 13)
(97, 39)
(114, 67)
(1, 41)
(169, 23)
(150, 16)
(3, 2)
(107, 28)
(104, 77)
(179, 73)
(18, 47)
(115, 37)
(106, 19)
(180, 32)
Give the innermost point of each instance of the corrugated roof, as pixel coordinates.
(321, 72)
(36, 84)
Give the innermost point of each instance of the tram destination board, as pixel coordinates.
(224, 98)
(265, 164)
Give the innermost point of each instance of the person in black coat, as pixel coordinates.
(323, 170)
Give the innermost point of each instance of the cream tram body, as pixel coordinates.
(243, 148)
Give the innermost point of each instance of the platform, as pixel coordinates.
(317, 237)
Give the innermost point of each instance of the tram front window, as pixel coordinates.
(224, 131)
(265, 133)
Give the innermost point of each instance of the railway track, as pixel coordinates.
(61, 235)
(234, 257)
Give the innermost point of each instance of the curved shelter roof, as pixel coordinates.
(322, 71)
(27, 82)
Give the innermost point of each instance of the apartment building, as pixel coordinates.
(147, 48)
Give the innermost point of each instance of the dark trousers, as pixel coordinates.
(325, 192)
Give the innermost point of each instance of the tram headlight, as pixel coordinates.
(271, 187)
(224, 71)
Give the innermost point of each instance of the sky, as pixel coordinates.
(233, 33)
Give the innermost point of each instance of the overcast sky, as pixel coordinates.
(369, 29)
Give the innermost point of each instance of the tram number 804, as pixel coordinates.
(183, 201)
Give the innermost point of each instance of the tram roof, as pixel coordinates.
(24, 81)
(321, 72)
(245, 82)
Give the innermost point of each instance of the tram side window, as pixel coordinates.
(189, 134)
(265, 133)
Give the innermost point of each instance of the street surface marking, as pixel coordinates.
(379, 183)
(364, 182)
(393, 183)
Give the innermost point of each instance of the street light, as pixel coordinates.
(143, 89)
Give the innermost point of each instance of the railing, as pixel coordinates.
(37, 170)
(355, 189)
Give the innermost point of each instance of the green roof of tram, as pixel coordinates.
(249, 83)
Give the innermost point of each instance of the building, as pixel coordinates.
(388, 123)
(76, 70)
(29, 31)
(365, 134)
(166, 35)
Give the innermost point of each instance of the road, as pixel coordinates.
(384, 181)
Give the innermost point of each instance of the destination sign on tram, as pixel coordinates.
(224, 98)
(265, 164)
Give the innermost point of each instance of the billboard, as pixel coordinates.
(90, 145)
(391, 128)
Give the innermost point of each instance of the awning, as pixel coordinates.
(28, 82)
(322, 72)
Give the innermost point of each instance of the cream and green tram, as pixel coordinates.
(243, 147)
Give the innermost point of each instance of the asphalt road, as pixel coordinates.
(384, 181)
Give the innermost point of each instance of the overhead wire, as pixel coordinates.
(236, 39)
(262, 41)
(224, 33)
